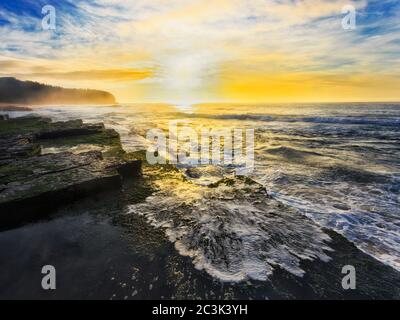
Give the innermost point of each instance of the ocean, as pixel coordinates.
(326, 194)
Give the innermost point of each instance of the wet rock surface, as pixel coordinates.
(32, 183)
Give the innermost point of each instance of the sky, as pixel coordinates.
(191, 51)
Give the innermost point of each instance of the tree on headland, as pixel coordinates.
(13, 90)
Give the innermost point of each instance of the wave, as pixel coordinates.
(291, 153)
(354, 120)
(346, 173)
(323, 120)
(365, 213)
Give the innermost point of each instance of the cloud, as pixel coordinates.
(181, 48)
(9, 65)
(98, 75)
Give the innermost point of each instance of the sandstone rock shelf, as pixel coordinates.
(32, 183)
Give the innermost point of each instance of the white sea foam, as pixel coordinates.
(234, 232)
(370, 222)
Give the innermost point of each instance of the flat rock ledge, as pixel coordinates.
(31, 184)
(69, 129)
(17, 146)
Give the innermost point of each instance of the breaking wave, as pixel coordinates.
(351, 120)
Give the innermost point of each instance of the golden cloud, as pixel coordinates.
(111, 75)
